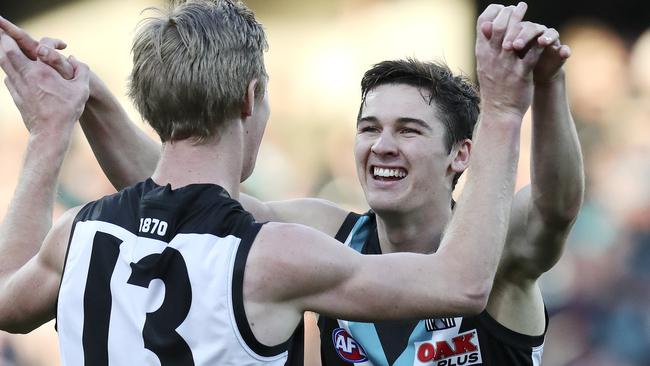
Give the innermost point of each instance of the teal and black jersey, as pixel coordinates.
(456, 341)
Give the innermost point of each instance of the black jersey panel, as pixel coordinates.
(347, 226)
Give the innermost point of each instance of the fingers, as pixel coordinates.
(549, 37)
(55, 60)
(45, 51)
(54, 43)
(565, 51)
(11, 57)
(500, 26)
(486, 18)
(531, 32)
(514, 25)
(529, 60)
(26, 43)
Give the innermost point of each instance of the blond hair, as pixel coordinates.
(192, 66)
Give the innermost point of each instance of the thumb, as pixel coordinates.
(81, 70)
(56, 61)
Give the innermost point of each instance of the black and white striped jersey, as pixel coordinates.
(153, 276)
(454, 341)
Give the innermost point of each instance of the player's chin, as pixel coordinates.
(385, 201)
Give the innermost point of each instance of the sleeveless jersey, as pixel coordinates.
(154, 276)
(455, 341)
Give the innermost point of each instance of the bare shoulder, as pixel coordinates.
(288, 266)
(288, 261)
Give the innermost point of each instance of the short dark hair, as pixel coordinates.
(456, 99)
(192, 65)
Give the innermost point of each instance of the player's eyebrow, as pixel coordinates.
(417, 121)
(400, 121)
(370, 119)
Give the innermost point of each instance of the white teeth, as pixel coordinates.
(385, 172)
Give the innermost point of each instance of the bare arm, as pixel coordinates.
(319, 214)
(49, 106)
(125, 153)
(557, 175)
(28, 294)
(549, 206)
(544, 212)
(332, 279)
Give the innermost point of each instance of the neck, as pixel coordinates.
(416, 231)
(218, 161)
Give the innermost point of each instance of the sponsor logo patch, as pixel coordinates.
(347, 347)
(460, 350)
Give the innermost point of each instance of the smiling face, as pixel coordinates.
(401, 156)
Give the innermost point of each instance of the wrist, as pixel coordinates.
(46, 156)
(556, 80)
(501, 114)
(95, 86)
(49, 136)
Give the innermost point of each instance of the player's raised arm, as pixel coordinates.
(125, 153)
(557, 172)
(543, 212)
(49, 106)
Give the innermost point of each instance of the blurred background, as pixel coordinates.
(598, 295)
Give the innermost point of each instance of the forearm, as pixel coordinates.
(475, 237)
(125, 153)
(29, 216)
(557, 176)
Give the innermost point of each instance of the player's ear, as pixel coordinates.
(248, 105)
(460, 156)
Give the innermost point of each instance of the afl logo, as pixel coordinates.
(347, 347)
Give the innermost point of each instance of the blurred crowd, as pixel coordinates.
(599, 293)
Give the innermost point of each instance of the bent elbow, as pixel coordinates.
(474, 300)
(561, 214)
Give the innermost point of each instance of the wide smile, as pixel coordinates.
(388, 173)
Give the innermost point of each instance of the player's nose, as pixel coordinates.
(386, 144)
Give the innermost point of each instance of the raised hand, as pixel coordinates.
(528, 34)
(505, 78)
(523, 35)
(555, 54)
(45, 49)
(48, 103)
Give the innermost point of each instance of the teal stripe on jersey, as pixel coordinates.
(366, 335)
(419, 334)
(359, 233)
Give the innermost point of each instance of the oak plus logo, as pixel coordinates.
(460, 350)
(347, 347)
